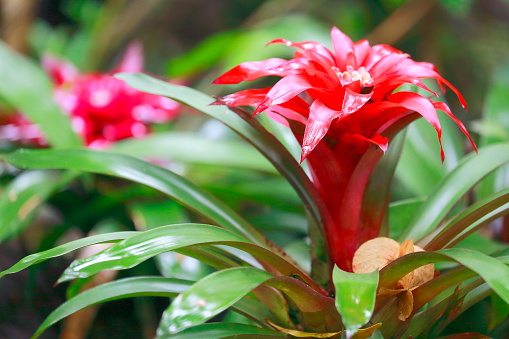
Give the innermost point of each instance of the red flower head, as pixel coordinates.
(343, 107)
(104, 109)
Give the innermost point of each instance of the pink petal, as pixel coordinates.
(444, 108)
(342, 46)
(383, 65)
(59, 70)
(250, 70)
(132, 60)
(284, 90)
(361, 49)
(376, 53)
(424, 107)
(320, 118)
(299, 64)
(249, 97)
(310, 49)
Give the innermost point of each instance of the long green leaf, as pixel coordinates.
(452, 188)
(64, 249)
(425, 293)
(143, 246)
(27, 88)
(124, 288)
(466, 222)
(195, 149)
(23, 195)
(143, 172)
(210, 296)
(134, 250)
(493, 271)
(355, 297)
(221, 330)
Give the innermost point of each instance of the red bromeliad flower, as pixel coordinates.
(104, 109)
(343, 108)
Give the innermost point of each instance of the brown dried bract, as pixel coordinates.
(379, 252)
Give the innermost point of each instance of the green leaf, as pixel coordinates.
(124, 288)
(195, 149)
(27, 88)
(142, 172)
(471, 219)
(64, 249)
(499, 311)
(221, 330)
(493, 271)
(134, 250)
(355, 297)
(145, 245)
(24, 194)
(208, 297)
(453, 187)
(446, 281)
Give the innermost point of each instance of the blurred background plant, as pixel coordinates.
(193, 41)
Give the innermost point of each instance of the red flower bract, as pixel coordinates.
(343, 107)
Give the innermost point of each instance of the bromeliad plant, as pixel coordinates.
(345, 109)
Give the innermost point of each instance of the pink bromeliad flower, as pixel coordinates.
(104, 109)
(343, 108)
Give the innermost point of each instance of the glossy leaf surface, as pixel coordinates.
(136, 249)
(355, 297)
(27, 88)
(64, 249)
(143, 246)
(142, 172)
(210, 296)
(124, 288)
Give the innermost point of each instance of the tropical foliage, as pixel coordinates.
(320, 206)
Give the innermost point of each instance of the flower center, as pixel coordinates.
(351, 75)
